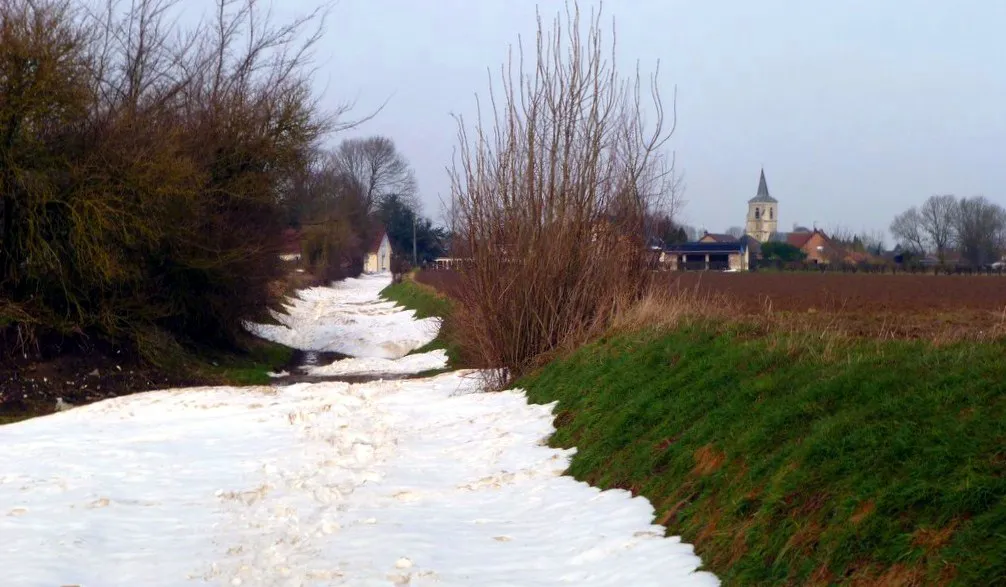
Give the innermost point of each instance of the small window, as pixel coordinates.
(757, 213)
(770, 211)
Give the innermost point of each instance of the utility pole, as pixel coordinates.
(415, 260)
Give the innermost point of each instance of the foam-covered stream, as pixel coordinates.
(421, 481)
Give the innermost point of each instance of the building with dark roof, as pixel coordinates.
(712, 237)
(706, 256)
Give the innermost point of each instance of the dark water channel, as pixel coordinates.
(304, 359)
(15, 411)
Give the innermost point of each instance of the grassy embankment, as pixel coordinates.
(251, 366)
(427, 303)
(794, 458)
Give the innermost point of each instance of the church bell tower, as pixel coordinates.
(763, 212)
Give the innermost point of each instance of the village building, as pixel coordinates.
(817, 246)
(723, 252)
(378, 259)
(706, 256)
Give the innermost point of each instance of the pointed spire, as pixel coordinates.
(763, 195)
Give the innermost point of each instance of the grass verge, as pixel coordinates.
(427, 303)
(251, 366)
(788, 458)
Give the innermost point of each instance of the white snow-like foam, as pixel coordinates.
(416, 482)
(349, 318)
(406, 365)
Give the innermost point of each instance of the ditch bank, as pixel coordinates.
(797, 457)
(789, 459)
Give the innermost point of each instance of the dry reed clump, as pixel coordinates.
(550, 196)
(660, 309)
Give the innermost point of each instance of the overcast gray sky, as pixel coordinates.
(857, 108)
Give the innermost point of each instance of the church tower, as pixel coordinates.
(763, 212)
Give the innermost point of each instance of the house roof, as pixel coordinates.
(734, 247)
(859, 257)
(375, 244)
(720, 238)
(763, 197)
(799, 239)
(752, 243)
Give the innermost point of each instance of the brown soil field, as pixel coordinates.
(848, 292)
(445, 282)
(938, 307)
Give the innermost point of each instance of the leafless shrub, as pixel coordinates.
(549, 198)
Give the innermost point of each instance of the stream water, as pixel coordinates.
(295, 372)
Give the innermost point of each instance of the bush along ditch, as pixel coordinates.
(142, 179)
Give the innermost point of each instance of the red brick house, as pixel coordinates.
(817, 246)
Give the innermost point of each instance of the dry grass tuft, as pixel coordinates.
(708, 460)
(660, 309)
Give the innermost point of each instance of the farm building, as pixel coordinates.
(378, 254)
(753, 245)
(712, 237)
(820, 249)
(707, 256)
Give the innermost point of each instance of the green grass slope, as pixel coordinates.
(427, 303)
(798, 460)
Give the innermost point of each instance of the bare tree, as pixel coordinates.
(873, 241)
(378, 168)
(907, 230)
(863, 241)
(552, 187)
(841, 234)
(937, 222)
(736, 232)
(980, 230)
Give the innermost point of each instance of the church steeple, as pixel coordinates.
(763, 195)
(763, 212)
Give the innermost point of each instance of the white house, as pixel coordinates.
(379, 254)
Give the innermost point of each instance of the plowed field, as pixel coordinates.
(898, 306)
(838, 292)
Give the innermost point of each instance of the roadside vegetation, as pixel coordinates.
(152, 169)
(144, 165)
(252, 367)
(552, 193)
